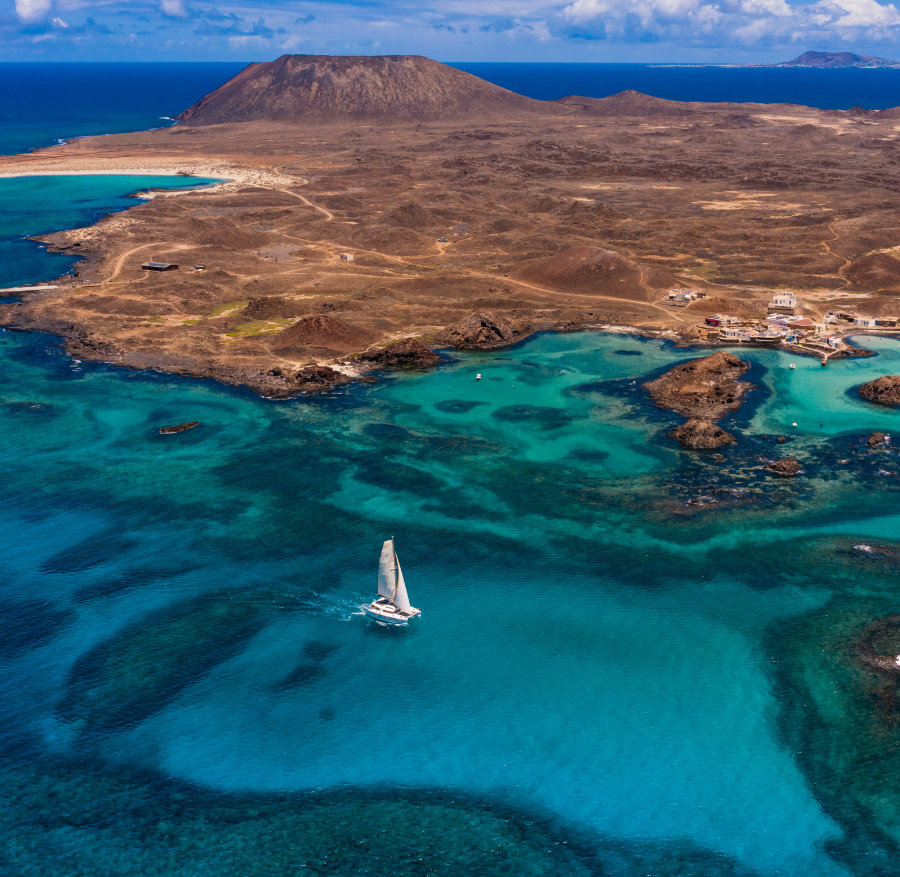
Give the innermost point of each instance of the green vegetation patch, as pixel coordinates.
(259, 327)
(228, 307)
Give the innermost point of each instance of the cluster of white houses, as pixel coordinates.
(783, 325)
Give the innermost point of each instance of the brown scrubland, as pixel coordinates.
(473, 218)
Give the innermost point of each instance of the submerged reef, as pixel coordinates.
(840, 716)
(29, 624)
(145, 667)
(833, 471)
(66, 818)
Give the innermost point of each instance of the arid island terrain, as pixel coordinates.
(379, 209)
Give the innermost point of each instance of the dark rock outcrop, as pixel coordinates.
(882, 391)
(268, 307)
(407, 353)
(179, 427)
(314, 378)
(479, 331)
(787, 467)
(325, 87)
(703, 388)
(701, 435)
(879, 440)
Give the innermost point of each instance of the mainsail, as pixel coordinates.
(387, 572)
(401, 600)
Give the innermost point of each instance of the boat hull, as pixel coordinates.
(387, 616)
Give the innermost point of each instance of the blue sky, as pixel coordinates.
(453, 30)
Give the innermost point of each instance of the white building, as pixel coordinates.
(682, 295)
(735, 334)
(346, 257)
(868, 322)
(783, 302)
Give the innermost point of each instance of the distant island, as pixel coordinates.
(837, 59)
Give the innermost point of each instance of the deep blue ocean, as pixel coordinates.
(43, 102)
(631, 660)
(828, 89)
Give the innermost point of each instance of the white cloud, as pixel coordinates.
(173, 8)
(746, 22)
(32, 10)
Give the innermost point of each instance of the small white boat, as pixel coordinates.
(478, 376)
(391, 606)
(793, 366)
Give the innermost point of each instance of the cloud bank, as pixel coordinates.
(736, 22)
(554, 30)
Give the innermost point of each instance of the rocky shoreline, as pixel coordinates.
(478, 331)
(882, 391)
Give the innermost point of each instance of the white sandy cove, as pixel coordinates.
(232, 176)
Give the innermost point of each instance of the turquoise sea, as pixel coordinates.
(631, 660)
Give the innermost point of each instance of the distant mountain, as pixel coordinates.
(837, 59)
(324, 87)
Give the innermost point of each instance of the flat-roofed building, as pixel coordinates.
(783, 303)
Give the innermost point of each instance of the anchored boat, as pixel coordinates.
(391, 606)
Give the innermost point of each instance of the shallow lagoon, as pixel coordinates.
(595, 656)
(39, 205)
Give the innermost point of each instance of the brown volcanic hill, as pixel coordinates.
(318, 332)
(630, 103)
(590, 269)
(875, 271)
(412, 215)
(398, 87)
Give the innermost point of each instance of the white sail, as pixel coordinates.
(401, 599)
(387, 573)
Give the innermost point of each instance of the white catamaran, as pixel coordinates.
(391, 606)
